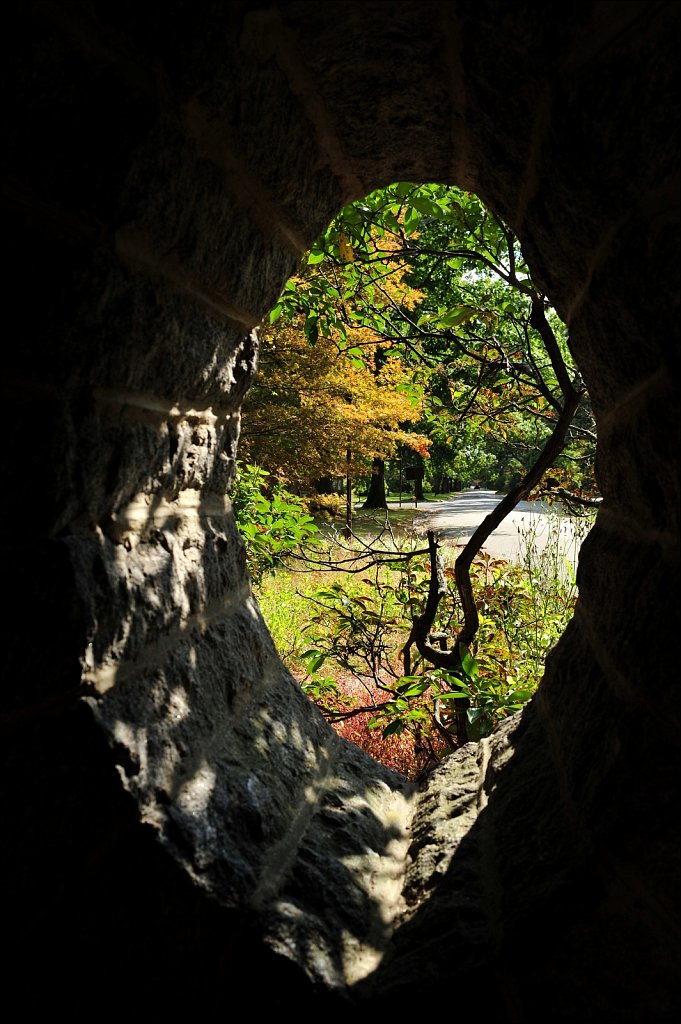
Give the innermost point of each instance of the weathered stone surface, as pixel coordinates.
(173, 803)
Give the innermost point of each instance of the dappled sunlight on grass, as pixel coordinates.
(286, 601)
(341, 624)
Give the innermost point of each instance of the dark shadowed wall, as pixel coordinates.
(182, 832)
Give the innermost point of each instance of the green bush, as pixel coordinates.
(342, 634)
(324, 506)
(272, 522)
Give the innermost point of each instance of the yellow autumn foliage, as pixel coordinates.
(309, 406)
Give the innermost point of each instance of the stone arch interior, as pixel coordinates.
(159, 217)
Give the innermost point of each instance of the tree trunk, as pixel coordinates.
(418, 482)
(348, 498)
(376, 494)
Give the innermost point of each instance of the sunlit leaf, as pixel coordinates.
(346, 251)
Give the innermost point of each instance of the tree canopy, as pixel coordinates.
(311, 406)
(425, 277)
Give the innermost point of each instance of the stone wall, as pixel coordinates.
(183, 830)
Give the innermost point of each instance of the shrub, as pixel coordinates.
(272, 522)
(351, 629)
(324, 506)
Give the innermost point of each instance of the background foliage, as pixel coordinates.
(413, 345)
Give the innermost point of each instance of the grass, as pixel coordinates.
(523, 608)
(288, 602)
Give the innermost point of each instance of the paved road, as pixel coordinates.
(530, 523)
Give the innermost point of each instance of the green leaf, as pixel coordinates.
(316, 661)
(356, 357)
(417, 715)
(457, 315)
(469, 664)
(412, 219)
(312, 329)
(426, 206)
(415, 689)
(520, 696)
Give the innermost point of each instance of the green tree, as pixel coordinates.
(314, 402)
(442, 283)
